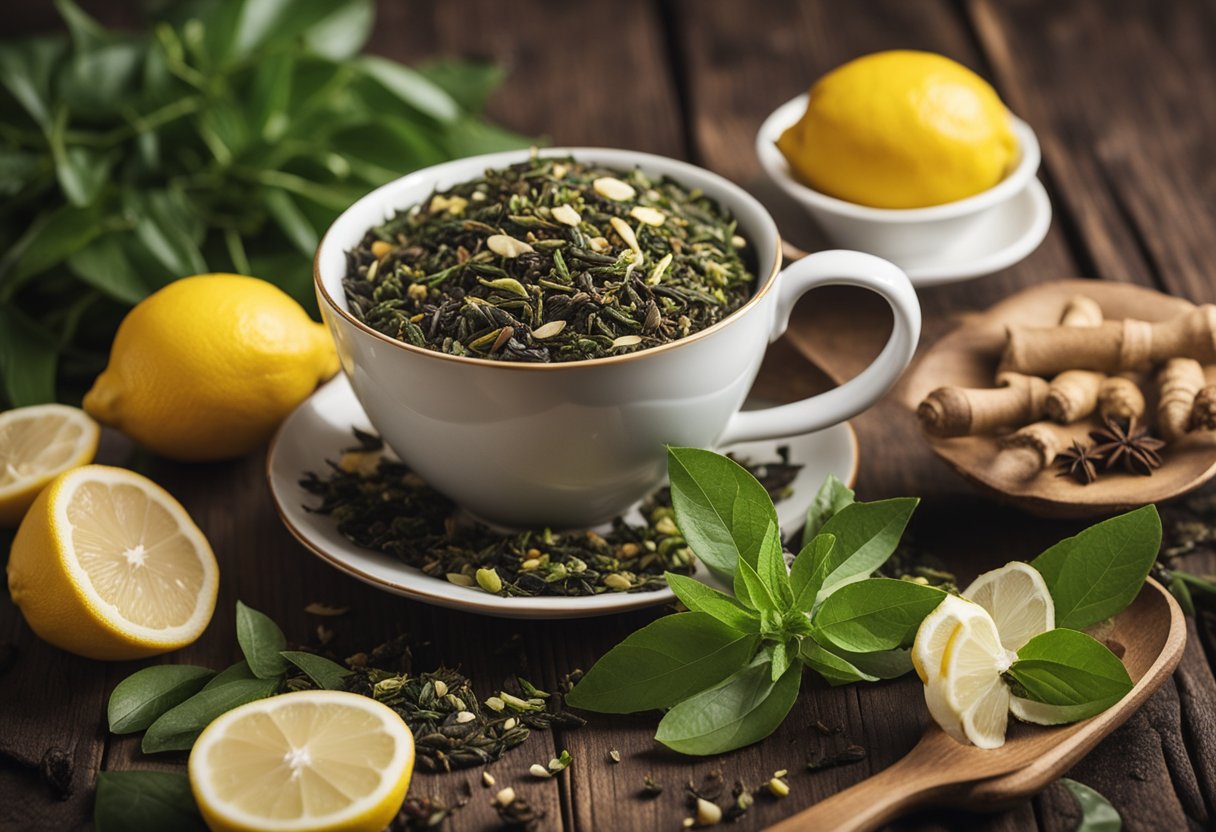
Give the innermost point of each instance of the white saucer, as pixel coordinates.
(1005, 235)
(319, 428)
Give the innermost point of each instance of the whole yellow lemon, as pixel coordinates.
(208, 366)
(901, 129)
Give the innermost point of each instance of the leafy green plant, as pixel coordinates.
(729, 670)
(225, 138)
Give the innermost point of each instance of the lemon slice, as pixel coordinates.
(928, 652)
(970, 684)
(106, 564)
(311, 760)
(1016, 597)
(36, 445)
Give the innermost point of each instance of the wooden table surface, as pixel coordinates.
(1121, 96)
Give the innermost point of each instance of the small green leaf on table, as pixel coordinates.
(1095, 574)
(261, 641)
(178, 728)
(145, 801)
(662, 663)
(141, 698)
(875, 614)
(1097, 815)
(1070, 669)
(740, 710)
(326, 674)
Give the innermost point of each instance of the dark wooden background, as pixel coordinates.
(1121, 94)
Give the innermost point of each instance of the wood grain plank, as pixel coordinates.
(1115, 89)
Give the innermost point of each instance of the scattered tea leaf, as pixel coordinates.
(1097, 815)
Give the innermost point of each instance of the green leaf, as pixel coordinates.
(882, 664)
(232, 673)
(751, 590)
(866, 535)
(28, 356)
(162, 225)
(145, 801)
(721, 510)
(178, 728)
(53, 238)
(809, 569)
(141, 698)
(701, 598)
(86, 32)
(472, 137)
(411, 86)
(292, 220)
(105, 265)
(1097, 815)
(27, 70)
(1069, 668)
(741, 710)
(1095, 574)
(663, 663)
(344, 32)
(834, 669)
(322, 671)
(17, 170)
(781, 655)
(875, 614)
(469, 82)
(261, 641)
(82, 172)
(770, 566)
(833, 495)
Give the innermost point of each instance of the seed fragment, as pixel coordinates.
(626, 341)
(537, 770)
(417, 291)
(505, 797)
(459, 579)
(707, 813)
(381, 248)
(738, 242)
(626, 232)
(441, 688)
(495, 704)
(548, 330)
(509, 724)
(614, 755)
(487, 578)
(504, 335)
(529, 564)
(778, 787)
(464, 716)
(507, 246)
(566, 215)
(612, 188)
(617, 581)
(487, 779)
(656, 274)
(599, 244)
(650, 216)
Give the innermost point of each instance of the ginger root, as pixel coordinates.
(1073, 395)
(1179, 381)
(1120, 398)
(1081, 310)
(1203, 413)
(962, 411)
(1031, 449)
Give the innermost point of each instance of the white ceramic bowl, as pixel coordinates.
(573, 444)
(901, 235)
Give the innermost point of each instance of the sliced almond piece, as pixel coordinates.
(507, 246)
(612, 188)
(566, 215)
(650, 216)
(548, 330)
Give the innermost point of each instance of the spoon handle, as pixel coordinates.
(910, 782)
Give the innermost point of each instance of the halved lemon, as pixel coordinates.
(1016, 597)
(106, 564)
(929, 651)
(36, 445)
(970, 687)
(311, 760)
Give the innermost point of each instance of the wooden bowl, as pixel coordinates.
(968, 356)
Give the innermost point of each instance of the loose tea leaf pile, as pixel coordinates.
(551, 260)
(379, 503)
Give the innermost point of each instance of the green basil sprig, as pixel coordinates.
(729, 670)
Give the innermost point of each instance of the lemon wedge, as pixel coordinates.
(311, 760)
(106, 564)
(937, 631)
(970, 686)
(1016, 597)
(37, 444)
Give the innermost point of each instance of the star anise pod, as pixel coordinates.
(1078, 462)
(1130, 444)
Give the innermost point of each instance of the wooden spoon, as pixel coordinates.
(1152, 633)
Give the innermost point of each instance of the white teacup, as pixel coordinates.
(573, 444)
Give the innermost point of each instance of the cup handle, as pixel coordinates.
(836, 268)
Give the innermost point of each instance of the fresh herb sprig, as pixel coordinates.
(728, 671)
(226, 137)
